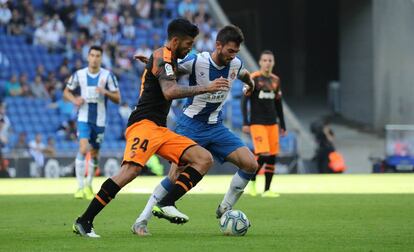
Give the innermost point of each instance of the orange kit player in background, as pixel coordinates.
(147, 133)
(261, 123)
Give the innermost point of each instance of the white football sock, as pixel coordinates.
(159, 192)
(237, 185)
(93, 163)
(80, 169)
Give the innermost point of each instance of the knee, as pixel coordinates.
(250, 165)
(203, 161)
(127, 173)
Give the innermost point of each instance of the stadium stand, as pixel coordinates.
(21, 52)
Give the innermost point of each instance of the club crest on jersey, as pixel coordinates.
(169, 69)
(233, 75)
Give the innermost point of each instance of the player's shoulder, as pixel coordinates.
(162, 54)
(255, 74)
(81, 70)
(189, 57)
(274, 77)
(237, 61)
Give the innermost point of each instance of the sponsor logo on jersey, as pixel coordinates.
(169, 69)
(266, 95)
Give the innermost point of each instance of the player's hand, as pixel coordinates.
(247, 90)
(246, 129)
(78, 101)
(283, 132)
(141, 58)
(101, 90)
(219, 84)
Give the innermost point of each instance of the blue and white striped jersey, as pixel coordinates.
(202, 69)
(94, 108)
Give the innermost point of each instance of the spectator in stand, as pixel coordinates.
(26, 11)
(111, 16)
(123, 63)
(65, 108)
(48, 8)
(5, 14)
(205, 44)
(187, 7)
(68, 130)
(111, 39)
(50, 150)
(128, 30)
(13, 87)
(63, 72)
(24, 83)
(40, 70)
(36, 149)
(38, 89)
(67, 12)
(21, 148)
(84, 17)
(157, 12)
(53, 86)
(143, 50)
(16, 24)
(97, 26)
(56, 25)
(143, 9)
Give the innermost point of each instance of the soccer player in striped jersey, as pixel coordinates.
(265, 120)
(202, 122)
(96, 86)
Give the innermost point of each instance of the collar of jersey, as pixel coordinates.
(214, 63)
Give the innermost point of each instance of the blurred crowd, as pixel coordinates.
(69, 28)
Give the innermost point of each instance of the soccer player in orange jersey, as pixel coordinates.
(265, 119)
(147, 133)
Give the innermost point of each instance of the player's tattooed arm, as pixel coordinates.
(172, 90)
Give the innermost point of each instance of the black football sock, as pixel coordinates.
(269, 171)
(185, 181)
(260, 160)
(108, 191)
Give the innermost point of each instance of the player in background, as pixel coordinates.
(261, 122)
(202, 122)
(96, 86)
(147, 133)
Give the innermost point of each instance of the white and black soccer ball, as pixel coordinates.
(234, 222)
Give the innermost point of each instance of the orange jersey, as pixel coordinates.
(263, 100)
(152, 104)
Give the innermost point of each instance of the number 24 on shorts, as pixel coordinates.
(143, 146)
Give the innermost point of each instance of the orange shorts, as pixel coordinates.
(265, 138)
(145, 138)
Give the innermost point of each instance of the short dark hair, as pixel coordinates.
(96, 48)
(181, 27)
(230, 33)
(267, 52)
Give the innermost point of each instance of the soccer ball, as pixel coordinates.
(234, 222)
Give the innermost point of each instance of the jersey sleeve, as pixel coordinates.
(112, 83)
(162, 66)
(241, 67)
(73, 81)
(186, 65)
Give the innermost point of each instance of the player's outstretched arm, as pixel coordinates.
(172, 90)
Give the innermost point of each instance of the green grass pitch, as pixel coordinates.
(314, 213)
